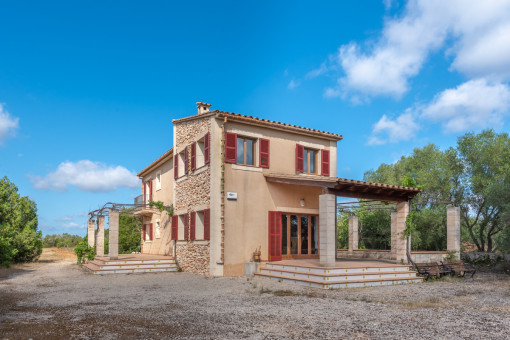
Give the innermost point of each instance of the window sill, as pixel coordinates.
(199, 170)
(246, 168)
(182, 178)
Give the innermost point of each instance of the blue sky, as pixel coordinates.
(82, 84)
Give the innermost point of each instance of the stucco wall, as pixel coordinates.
(162, 245)
(246, 219)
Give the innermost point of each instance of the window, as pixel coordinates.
(157, 231)
(182, 229)
(158, 180)
(245, 151)
(183, 162)
(310, 161)
(200, 153)
(147, 232)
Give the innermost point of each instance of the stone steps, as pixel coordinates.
(100, 266)
(333, 278)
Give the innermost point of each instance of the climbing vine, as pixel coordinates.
(161, 207)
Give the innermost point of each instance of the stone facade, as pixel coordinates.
(193, 257)
(192, 192)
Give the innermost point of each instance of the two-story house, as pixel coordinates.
(239, 183)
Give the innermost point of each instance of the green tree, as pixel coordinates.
(129, 232)
(20, 241)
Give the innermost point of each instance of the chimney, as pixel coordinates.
(203, 107)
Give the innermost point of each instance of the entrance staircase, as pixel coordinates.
(102, 266)
(340, 277)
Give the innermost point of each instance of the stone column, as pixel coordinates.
(393, 233)
(113, 232)
(327, 230)
(353, 234)
(100, 236)
(400, 243)
(453, 230)
(91, 232)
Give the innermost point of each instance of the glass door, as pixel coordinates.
(300, 236)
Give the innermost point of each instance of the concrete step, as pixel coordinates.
(129, 265)
(340, 270)
(108, 270)
(119, 262)
(339, 278)
(344, 284)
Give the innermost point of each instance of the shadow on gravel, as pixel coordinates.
(9, 273)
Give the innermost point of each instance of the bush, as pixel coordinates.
(83, 250)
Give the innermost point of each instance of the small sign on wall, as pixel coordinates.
(232, 196)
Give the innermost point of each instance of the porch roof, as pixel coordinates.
(348, 187)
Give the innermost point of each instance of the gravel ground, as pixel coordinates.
(58, 299)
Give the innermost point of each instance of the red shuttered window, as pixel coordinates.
(151, 235)
(193, 216)
(186, 226)
(264, 153)
(144, 184)
(207, 148)
(175, 226)
(275, 236)
(176, 166)
(207, 224)
(193, 156)
(144, 232)
(230, 147)
(325, 162)
(150, 190)
(300, 156)
(186, 160)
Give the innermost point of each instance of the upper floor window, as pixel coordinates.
(158, 180)
(310, 161)
(245, 151)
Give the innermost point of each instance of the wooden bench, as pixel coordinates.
(459, 268)
(434, 270)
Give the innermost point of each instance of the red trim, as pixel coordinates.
(264, 153)
(193, 156)
(186, 160)
(207, 148)
(207, 224)
(275, 236)
(143, 193)
(193, 216)
(151, 235)
(175, 225)
(230, 147)
(325, 162)
(144, 232)
(300, 158)
(186, 226)
(150, 189)
(176, 166)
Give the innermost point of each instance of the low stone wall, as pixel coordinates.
(417, 256)
(193, 258)
(487, 257)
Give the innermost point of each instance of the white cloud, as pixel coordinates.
(387, 130)
(478, 31)
(293, 84)
(472, 105)
(8, 124)
(87, 176)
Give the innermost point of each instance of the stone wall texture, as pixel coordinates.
(190, 193)
(193, 258)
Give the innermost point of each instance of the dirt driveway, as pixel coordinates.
(56, 299)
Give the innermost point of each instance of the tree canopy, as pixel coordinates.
(20, 241)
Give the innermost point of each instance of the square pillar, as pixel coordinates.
(113, 232)
(353, 234)
(393, 233)
(100, 236)
(453, 230)
(400, 242)
(327, 230)
(90, 232)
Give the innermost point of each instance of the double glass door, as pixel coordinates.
(300, 235)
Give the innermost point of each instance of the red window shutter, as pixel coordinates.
(186, 160)
(193, 216)
(264, 153)
(207, 224)
(325, 162)
(186, 226)
(151, 235)
(193, 156)
(175, 222)
(300, 158)
(207, 148)
(144, 232)
(144, 196)
(230, 147)
(275, 236)
(150, 190)
(176, 166)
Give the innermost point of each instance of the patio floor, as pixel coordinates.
(340, 263)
